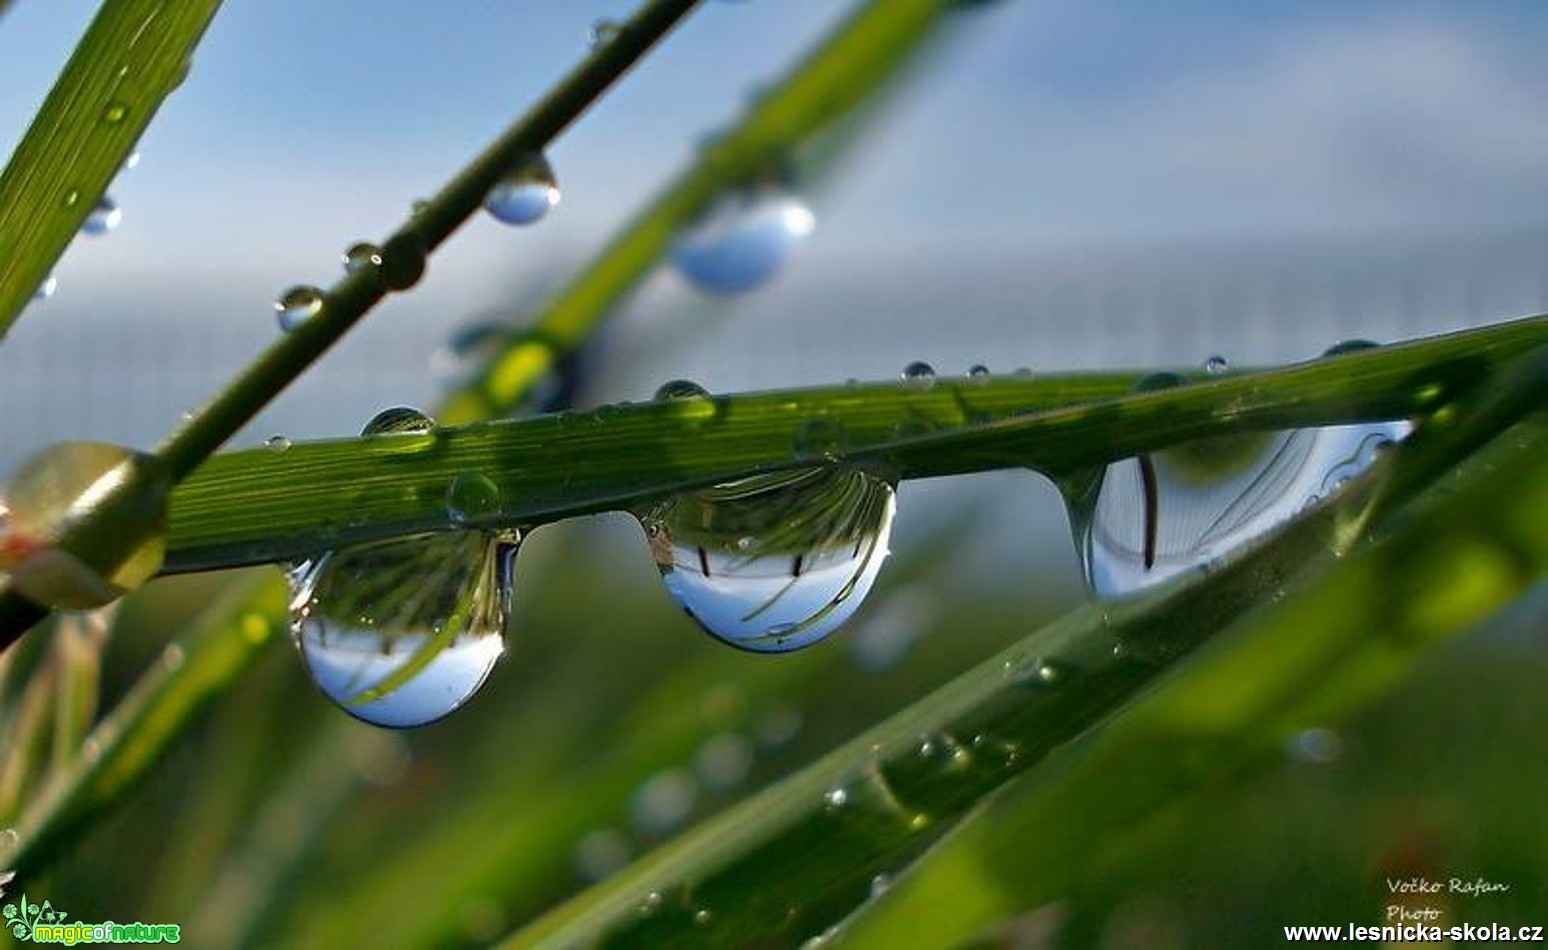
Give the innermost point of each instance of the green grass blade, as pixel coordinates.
(549, 467)
(794, 858)
(1350, 638)
(133, 55)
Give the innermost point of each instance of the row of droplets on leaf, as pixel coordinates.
(104, 217)
(401, 632)
(737, 245)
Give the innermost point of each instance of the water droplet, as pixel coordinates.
(296, 306)
(1349, 346)
(835, 798)
(471, 497)
(741, 242)
(821, 538)
(363, 256)
(131, 161)
(680, 389)
(602, 853)
(46, 289)
(663, 803)
(1216, 365)
(880, 885)
(724, 760)
(703, 917)
(527, 192)
(979, 373)
(63, 485)
(919, 375)
(403, 260)
(71, 198)
(105, 216)
(1164, 513)
(603, 32)
(276, 444)
(398, 420)
(1316, 746)
(115, 112)
(820, 437)
(399, 633)
(650, 903)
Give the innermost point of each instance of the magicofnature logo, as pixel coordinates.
(42, 923)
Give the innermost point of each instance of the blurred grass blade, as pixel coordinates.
(556, 466)
(810, 845)
(1337, 645)
(133, 55)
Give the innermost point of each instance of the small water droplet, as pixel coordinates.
(276, 444)
(1349, 346)
(403, 260)
(835, 798)
(821, 538)
(724, 760)
(680, 389)
(399, 420)
(296, 306)
(602, 853)
(471, 497)
(46, 289)
(1316, 746)
(603, 31)
(820, 437)
(880, 885)
(663, 803)
(105, 216)
(399, 633)
(742, 241)
(115, 112)
(919, 375)
(702, 917)
(71, 198)
(1216, 365)
(363, 256)
(650, 903)
(131, 161)
(54, 489)
(527, 192)
(979, 373)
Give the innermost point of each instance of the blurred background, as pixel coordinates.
(1059, 185)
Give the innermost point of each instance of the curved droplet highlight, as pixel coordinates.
(742, 241)
(774, 562)
(1163, 513)
(296, 306)
(526, 194)
(400, 633)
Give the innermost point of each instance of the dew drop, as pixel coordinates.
(1188, 506)
(46, 289)
(742, 241)
(471, 497)
(403, 260)
(399, 633)
(123, 490)
(115, 112)
(680, 389)
(277, 444)
(399, 420)
(835, 798)
(723, 761)
(296, 306)
(363, 256)
(1316, 746)
(821, 536)
(1349, 346)
(105, 217)
(703, 917)
(1216, 365)
(527, 192)
(978, 373)
(919, 375)
(880, 884)
(603, 32)
(663, 803)
(131, 161)
(602, 853)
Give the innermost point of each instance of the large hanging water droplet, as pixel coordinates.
(122, 491)
(919, 375)
(1185, 507)
(774, 562)
(742, 241)
(105, 216)
(527, 192)
(296, 306)
(399, 633)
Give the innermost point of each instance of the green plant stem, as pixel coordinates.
(403, 261)
(134, 53)
(860, 54)
(537, 470)
(826, 831)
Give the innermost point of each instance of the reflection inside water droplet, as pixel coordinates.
(399, 633)
(818, 539)
(1185, 507)
(527, 192)
(296, 306)
(742, 241)
(603, 32)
